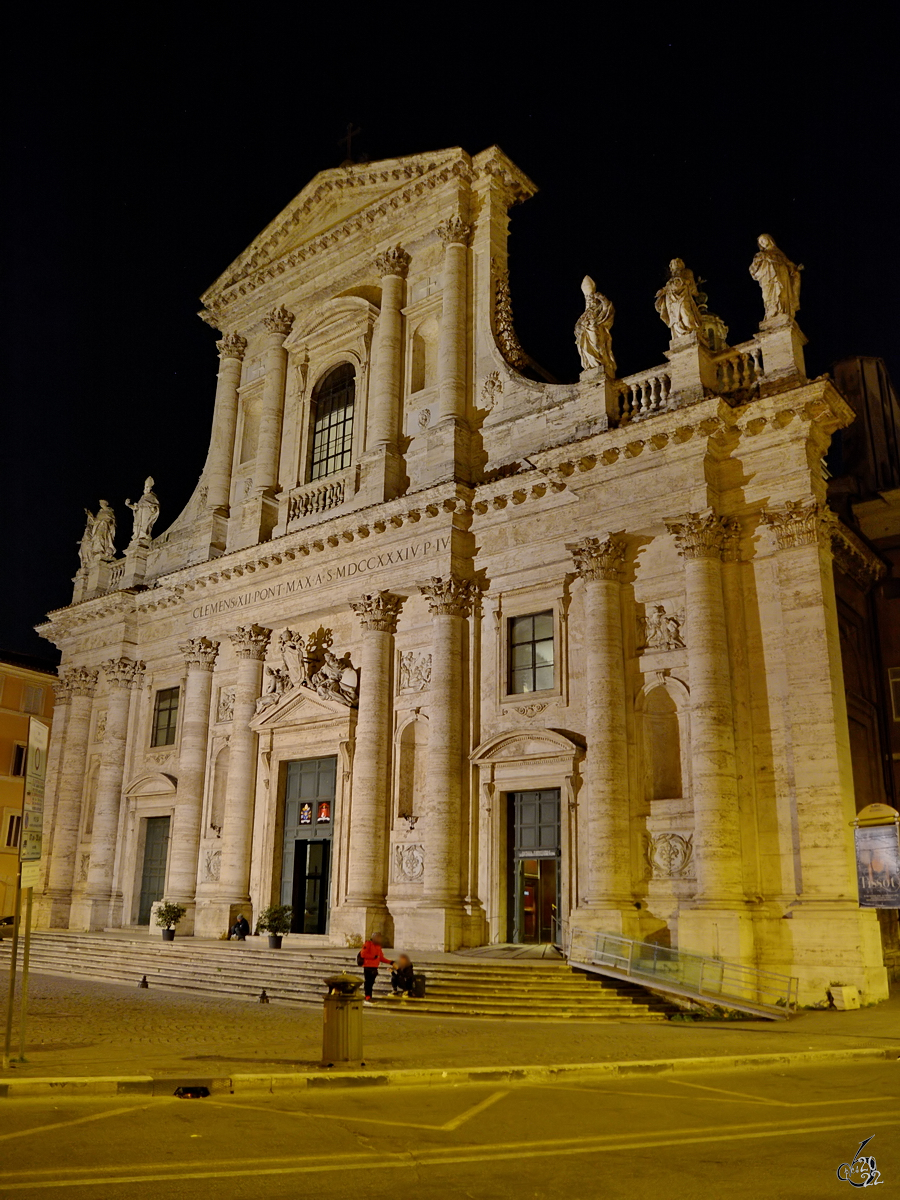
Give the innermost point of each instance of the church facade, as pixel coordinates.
(443, 648)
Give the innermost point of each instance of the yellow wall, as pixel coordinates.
(14, 680)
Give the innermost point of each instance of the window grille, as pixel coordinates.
(333, 402)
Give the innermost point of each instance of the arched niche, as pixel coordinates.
(217, 792)
(423, 373)
(663, 712)
(90, 798)
(411, 752)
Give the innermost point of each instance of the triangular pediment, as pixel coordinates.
(329, 200)
(299, 706)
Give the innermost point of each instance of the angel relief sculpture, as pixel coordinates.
(309, 664)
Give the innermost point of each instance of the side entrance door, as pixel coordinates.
(534, 865)
(153, 875)
(306, 849)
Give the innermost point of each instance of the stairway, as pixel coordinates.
(456, 987)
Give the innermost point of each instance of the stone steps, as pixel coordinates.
(464, 988)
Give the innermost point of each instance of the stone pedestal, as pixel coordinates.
(135, 565)
(97, 907)
(691, 369)
(782, 345)
(600, 400)
(231, 893)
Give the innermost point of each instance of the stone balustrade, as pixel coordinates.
(321, 496)
(116, 572)
(644, 394)
(739, 367)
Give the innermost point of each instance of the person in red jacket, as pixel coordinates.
(372, 956)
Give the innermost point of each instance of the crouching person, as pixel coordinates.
(403, 977)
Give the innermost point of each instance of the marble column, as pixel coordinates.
(221, 449)
(598, 561)
(384, 472)
(367, 867)
(268, 447)
(450, 601)
(51, 791)
(122, 675)
(449, 441)
(200, 659)
(77, 686)
(231, 893)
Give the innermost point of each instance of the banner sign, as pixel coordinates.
(878, 865)
(31, 841)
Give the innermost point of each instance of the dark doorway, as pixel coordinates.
(534, 865)
(306, 849)
(153, 874)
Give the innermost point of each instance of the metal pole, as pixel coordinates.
(26, 946)
(13, 957)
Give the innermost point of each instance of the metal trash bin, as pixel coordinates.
(342, 1020)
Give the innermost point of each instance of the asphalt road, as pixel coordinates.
(720, 1135)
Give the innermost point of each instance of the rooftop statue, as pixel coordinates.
(592, 330)
(778, 278)
(98, 540)
(146, 510)
(676, 303)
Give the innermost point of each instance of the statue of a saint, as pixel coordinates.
(276, 682)
(676, 303)
(336, 680)
(592, 330)
(295, 662)
(778, 278)
(146, 510)
(103, 533)
(85, 552)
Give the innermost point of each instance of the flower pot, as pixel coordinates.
(168, 935)
(274, 941)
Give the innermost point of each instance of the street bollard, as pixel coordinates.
(342, 1021)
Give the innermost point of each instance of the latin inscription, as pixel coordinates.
(323, 577)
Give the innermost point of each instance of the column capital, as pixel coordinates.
(62, 690)
(232, 345)
(700, 535)
(800, 523)
(279, 321)
(199, 652)
(454, 231)
(378, 610)
(598, 558)
(124, 672)
(80, 681)
(250, 641)
(393, 261)
(449, 596)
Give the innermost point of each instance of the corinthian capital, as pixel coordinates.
(232, 345)
(700, 535)
(394, 261)
(454, 231)
(279, 321)
(598, 558)
(378, 610)
(250, 641)
(123, 672)
(799, 523)
(80, 681)
(199, 652)
(62, 690)
(449, 596)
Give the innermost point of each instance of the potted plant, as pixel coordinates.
(276, 922)
(167, 917)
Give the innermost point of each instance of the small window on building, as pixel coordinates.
(332, 421)
(19, 758)
(33, 699)
(12, 831)
(894, 683)
(165, 717)
(531, 653)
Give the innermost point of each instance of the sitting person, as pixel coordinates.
(403, 976)
(240, 928)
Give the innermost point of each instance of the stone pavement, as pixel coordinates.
(82, 1028)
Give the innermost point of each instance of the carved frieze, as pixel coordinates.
(100, 727)
(213, 865)
(225, 706)
(660, 628)
(671, 855)
(409, 863)
(415, 671)
(525, 710)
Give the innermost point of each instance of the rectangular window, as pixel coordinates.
(332, 427)
(33, 699)
(19, 757)
(894, 684)
(165, 717)
(12, 831)
(531, 653)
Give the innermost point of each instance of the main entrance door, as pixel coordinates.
(306, 850)
(153, 875)
(534, 865)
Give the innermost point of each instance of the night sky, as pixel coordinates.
(144, 156)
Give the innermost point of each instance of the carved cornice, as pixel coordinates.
(279, 321)
(855, 558)
(504, 329)
(800, 523)
(596, 559)
(200, 653)
(454, 232)
(123, 672)
(378, 610)
(232, 345)
(250, 641)
(393, 261)
(699, 535)
(449, 595)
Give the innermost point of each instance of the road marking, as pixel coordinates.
(745, 1096)
(425, 1158)
(112, 1112)
(473, 1112)
(448, 1127)
(778, 1103)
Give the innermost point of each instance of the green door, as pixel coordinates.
(306, 849)
(534, 865)
(156, 856)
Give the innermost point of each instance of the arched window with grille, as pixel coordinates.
(333, 400)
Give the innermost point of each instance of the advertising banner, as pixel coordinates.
(31, 843)
(878, 866)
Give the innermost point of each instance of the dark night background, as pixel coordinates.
(144, 152)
